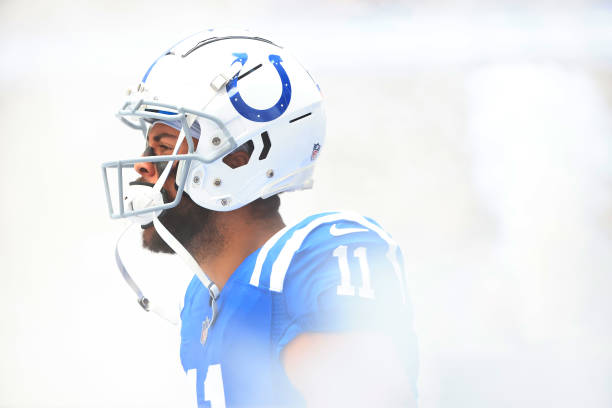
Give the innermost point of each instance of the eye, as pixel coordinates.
(165, 147)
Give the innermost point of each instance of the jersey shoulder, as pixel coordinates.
(333, 272)
(314, 250)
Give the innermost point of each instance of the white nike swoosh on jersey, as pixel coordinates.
(335, 231)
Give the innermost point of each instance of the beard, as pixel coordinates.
(193, 226)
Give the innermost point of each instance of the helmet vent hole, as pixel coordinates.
(300, 117)
(240, 156)
(265, 138)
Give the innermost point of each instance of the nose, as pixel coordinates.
(146, 169)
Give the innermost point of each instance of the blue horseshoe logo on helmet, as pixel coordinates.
(260, 115)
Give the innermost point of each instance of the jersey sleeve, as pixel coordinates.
(346, 276)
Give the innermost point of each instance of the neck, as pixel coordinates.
(241, 235)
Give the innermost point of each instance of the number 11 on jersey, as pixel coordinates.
(345, 288)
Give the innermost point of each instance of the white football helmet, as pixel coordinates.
(237, 87)
(226, 89)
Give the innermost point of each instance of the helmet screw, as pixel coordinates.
(216, 140)
(224, 202)
(217, 182)
(196, 179)
(270, 173)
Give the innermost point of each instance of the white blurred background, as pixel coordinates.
(477, 133)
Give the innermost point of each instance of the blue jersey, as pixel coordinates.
(331, 272)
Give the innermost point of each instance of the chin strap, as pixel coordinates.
(173, 243)
(191, 264)
(143, 301)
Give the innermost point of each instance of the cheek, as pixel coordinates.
(147, 234)
(169, 186)
(184, 150)
(170, 181)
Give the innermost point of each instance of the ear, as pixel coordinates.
(236, 159)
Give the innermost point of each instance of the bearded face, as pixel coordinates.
(193, 226)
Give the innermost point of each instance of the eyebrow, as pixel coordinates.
(157, 138)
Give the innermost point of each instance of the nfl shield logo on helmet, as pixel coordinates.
(315, 151)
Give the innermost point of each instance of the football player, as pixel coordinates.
(313, 313)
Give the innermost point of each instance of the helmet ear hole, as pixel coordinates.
(240, 156)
